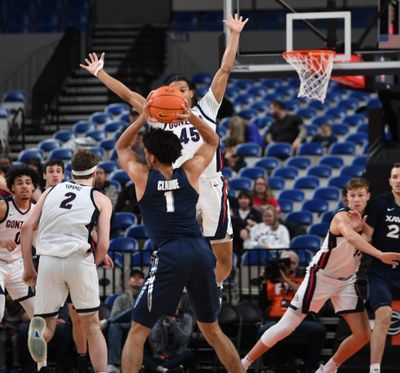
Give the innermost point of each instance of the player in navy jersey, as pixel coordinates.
(331, 274)
(167, 198)
(213, 205)
(383, 228)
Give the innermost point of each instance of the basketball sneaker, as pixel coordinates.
(36, 343)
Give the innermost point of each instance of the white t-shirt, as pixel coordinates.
(262, 234)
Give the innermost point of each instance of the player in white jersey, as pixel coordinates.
(213, 205)
(13, 213)
(332, 275)
(66, 215)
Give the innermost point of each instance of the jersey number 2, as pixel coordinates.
(393, 231)
(169, 197)
(66, 203)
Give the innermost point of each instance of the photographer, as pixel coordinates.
(276, 293)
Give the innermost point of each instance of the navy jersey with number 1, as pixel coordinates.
(169, 207)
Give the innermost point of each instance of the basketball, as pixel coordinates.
(166, 104)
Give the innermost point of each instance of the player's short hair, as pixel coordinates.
(54, 162)
(396, 165)
(357, 183)
(181, 78)
(164, 145)
(83, 160)
(278, 104)
(14, 173)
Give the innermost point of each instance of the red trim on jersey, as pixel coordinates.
(312, 282)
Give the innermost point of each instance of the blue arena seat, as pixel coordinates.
(332, 161)
(64, 135)
(362, 128)
(300, 217)
(327, 217)
(248, 114)
(108, 144)
(361, 160)
(276, 182)
(114, 126)
(98, 151)
(255, 257)
(202, 78)
(352, 171)
(322, 120)
(252, 172)
(82, 127)
(141, 259)
(320, 171)
(268, 163)
(138, 232)
(316, 205)
(328, 193)
(306, 241)
(306, 182)
(301, 162)
(311, 148)
(123, 244)
(100, 118)
(374, 103)
(287, 172)
(28, 154)
(148, 245)
(14, 96)
(108, 166)
(111, 299)
(117, 109)
(240, 183)
(249, 149)
(339, 181)
(358, 138)
(307, 113)
(286, 205)
(97, 135)
(64, 154)
(295, 195)
(118, 259)
(342, 148)
(121, 176)
(340, 129)
(354, 120)
(281, 150)
(349, 104)
(227, 172)
(319, 229)
(48, 145)
(337, 113)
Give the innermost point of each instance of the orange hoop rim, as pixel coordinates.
(309, 52)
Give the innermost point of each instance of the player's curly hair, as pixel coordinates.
(14, 173)
(164, 145)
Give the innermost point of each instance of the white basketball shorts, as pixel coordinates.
(317, 288)
(213, 209)
(57, 277)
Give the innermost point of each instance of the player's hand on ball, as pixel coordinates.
(93, 63)
(236, 23)
(186, 112)
(392, 259)
(10, 245)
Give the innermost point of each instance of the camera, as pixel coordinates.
(273, 268)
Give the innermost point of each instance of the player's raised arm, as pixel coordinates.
(195, 166)
(341, 224)
(95, 66)
(218, 85)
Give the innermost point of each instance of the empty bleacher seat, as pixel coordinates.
(327, 193)
(311, 148)
(268, 163)
(141, 259)
(295, 195)
(339, 181)
(98, 151)
(28, 154)
(64, 154)
(240, 183)
(121, 176)
(227, 172)
(316, 205)
(306, 182)
(340, 130)
(108, 144)
(335, 162)
(319, 229)
(138, 232)
(100, 119)
(357, 138)
(320, 171)
(117, 109)
(83, 126)
(248, 150)
(301, 162)
(252, 172)
(342, 148)
(111, 127)
(148, 245)
(354, 120)
(48, 145)
(97, 135)
(304, 218)
(353, 171)
(255, 257)
(361, 160)
(64, 135)
(323, 119)
(280, 150)
(286, 205)
(108, 166)
(306, 241)
(276, 182)
(123, 220)
(327, 217)
(123, 244)
(202, 78)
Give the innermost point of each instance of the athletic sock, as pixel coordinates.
(41, 365)
(375, 368)
(246, 362)
(331, 366)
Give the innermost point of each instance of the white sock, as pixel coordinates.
(246, 362)
(219, 284)
(375, 368)
(331, 366)
(41, 365)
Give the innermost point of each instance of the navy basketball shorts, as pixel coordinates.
(383, 287)
(179, 263)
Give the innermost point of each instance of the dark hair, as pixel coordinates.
(164, 145)
(181, 78)
(82, 160)
(356, 183)
(54, 162)
(18, 172)
(244, 193)
(279, 104)
(396, 165)
(136, 271)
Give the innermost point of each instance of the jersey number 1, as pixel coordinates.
(169, 197)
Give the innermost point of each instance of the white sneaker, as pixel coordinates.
(36, 344)
(112, 369)
(375, 370)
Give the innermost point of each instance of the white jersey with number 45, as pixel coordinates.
(207, 109)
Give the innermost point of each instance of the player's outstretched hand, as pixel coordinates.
(236, 23)
(29, 277)
(10, 245)
(356, 220)
(93, 63)
(390, 258)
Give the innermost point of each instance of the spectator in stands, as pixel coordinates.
(169, 339)
(286, 128)
(119, 322)
(269, 234)
(231, 159)
(13, 314)
(240, 131)
(54, 172)
(262, 194)
(127, 200)
(104, 186)
(243, 217)
(325, 135)
(275, 297)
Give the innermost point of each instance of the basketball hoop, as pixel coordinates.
(314, 68)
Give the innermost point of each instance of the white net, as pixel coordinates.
(314, 68)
